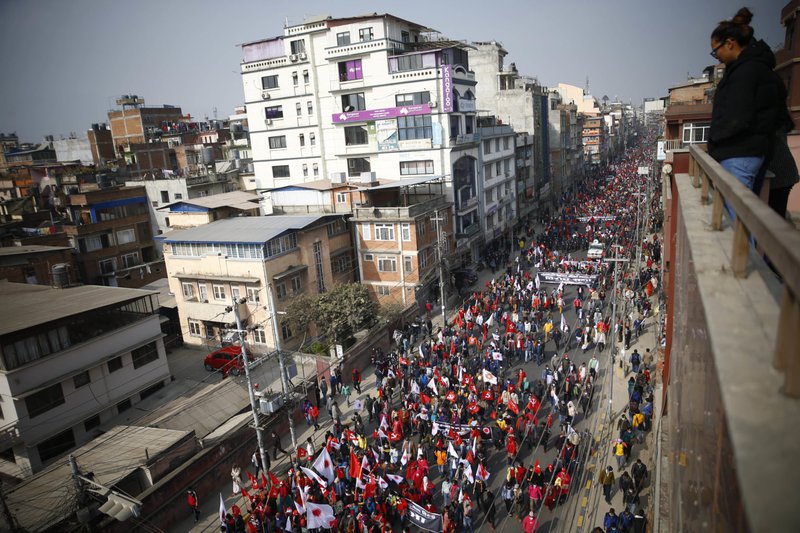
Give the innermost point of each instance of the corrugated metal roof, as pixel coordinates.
(225, 199)
(256, 230)
(401, 183)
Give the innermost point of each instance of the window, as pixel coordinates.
(302, 139)
(341, 263)
(405, 36)
(423, 258)
(353, 102)
(415, 127)
(144, 354)
(298, 47)
(420, 228)
(152, 389)
(387, 264)
(408, 263)
(259, 336)
(164, 197)
(312, 138)
(188, 290)
(505, 143)
(280, 290)
(310, 107)
(469, 124)
(384, 232)
(422, 97)
(114, 364)
(294, 79)
(305, 170)
(286, 331)
(316, 170)
(498, 168)
(343, 38)
(299, 109)
(269, 82)
(350, 70)
(94, 242)
(194, 328)
(130, 260)
(357, 165)
(416, 168)
(178, 196)
(126, 236)
(384, 290)
(695, 133)
(44, 400)
(202, 292)
(56, 446)
(277, 142)
(297, 285)
(507, 166)
(253, 294)
(305, 76)
(218, 291)
(497, 144)
(235, 293)
(365, 231)
(405, 230)
(274, 112)
(107, 266)
(79, 380)
(341, 197)
(91, 423)
(355, 135)
(124, 405)
(280, 171)
(368, 257)
(409, 62)
(365, 34)
(487, 147)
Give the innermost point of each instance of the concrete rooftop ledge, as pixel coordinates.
(742, 317)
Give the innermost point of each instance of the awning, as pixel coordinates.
(290, 271)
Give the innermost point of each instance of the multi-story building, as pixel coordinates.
(111, 231)
(212, 265)
(135, 123)
(688, 114)
(594, 139)
(497, 187)
(72, 359)
(38, 265)
(527, 203)
(182, 214)
(363, 94)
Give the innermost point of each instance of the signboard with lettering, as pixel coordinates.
(567, 279)
(424, 519)
(382, 113)
(447, 88)
(386, 135)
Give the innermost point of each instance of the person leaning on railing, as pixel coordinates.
(749, 101)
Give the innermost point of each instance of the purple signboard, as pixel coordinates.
(447, 88)
(378, 114)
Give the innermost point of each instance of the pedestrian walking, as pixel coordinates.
(607, 482)
(194, 504)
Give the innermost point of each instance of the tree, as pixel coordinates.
(301, 313)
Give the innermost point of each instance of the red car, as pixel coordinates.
(227, 358)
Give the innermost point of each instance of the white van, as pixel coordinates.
(596, 250)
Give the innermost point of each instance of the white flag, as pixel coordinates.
(563, 323)
(394, 477)
(414, 387)
(434, 428)
(488, 377)
(468, 473)
(313, 475)
(319, 516)
(324, 465)
(537, 280)
(382, 483)
(497, 356)
(432, 386)
(451, 450)
(222, 510)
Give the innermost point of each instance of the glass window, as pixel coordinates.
(235, 293)
(302, 139)
(297, 285)
(277, 142)
(487, 147)
(305, 76)
(114, 364)
(316, 169)
(305, 170)
(44, 400)
(409, 62)
(260, 336)
(343, 38)
(253, 294)
(218, 291)
(295, 82)
(384, 232)
(57, 445)
(416, 168)
(310, 107)
(312, 138)
(357, 165)
(405, 36)
(422, 97)
(280, 171)
(341, 197)
(353, 102)
(387, 264)
(415, 127)
(408, 263)
(79, 380)
(298, 107)
(269, 82)
(365, 34)
(274, 112)
(286, 331)
(365, 231)
(405, 229)
(202, 292)
(126, 236)
(194, 328)
(144, 354)
(350, 70)
(384, 290)
(505, 143)
(130, 260)
(423, 258)
(354, 135)
(298, 47)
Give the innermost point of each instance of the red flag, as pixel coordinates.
(482, 473)
(273, 479)
(354, 464)
(244, 493)
(369, 490)
(458, 440)
(487, 395)
(424, 398)
(394, 436)
(403, 361)
(302, 453)
(513, 407)
(253, 480)
(263, 480)
(473, 408)
(451, 396)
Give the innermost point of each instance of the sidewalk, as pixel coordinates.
(593, 505)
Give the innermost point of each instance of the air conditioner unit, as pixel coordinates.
(338, 177)
(269, 122)
(265, 95)
(293, 57)
(303, 55)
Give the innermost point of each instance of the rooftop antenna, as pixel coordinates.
(285, 22)
(586, 90)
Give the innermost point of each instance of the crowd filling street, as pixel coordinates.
(490, 420)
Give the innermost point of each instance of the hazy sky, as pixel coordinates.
(65, 61)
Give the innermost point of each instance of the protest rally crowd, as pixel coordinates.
(454, 407)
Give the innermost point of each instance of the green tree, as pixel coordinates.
(301, 313)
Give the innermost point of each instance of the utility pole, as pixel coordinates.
(284, 380)
(439, 254)
(253, 405)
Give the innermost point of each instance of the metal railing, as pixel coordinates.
(779, 241)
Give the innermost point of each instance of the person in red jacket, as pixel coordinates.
(530, 524)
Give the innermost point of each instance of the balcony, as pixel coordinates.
(364, 213)
(469, 231)
(731, 363)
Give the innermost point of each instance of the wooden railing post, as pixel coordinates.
(717, 209)
(787, 358)
(741, 247)
(704, 198)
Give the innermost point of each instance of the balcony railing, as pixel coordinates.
(779, 241)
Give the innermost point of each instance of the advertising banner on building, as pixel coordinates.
(423, 518)
(447, 88)
(386, 135)
(567, 279)
(383, 113)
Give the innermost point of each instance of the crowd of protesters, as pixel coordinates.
(454, 406)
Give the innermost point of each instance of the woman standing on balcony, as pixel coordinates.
(748, 102)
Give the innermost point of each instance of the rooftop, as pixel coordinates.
(23, 306)
(243, 229)
(30, 249)
(317, 185)
(237, 199)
